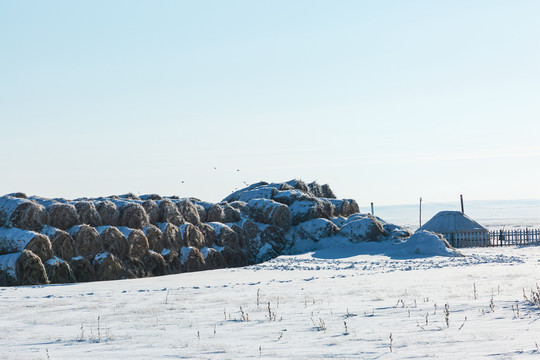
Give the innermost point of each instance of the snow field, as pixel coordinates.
(224, 314)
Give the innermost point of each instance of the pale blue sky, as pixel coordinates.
(386, 101)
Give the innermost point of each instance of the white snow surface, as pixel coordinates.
(337, 302)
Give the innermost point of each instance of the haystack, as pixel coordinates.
(86, 240)
(170, 213)
(152, 211)
(172, 239)
(191, 236)
(155, 238)
(15, 240)
(113, 241)
(30, 269)
(8, 275)
(62, 216)
(108, 212)
(63, 245)
(21, 213)
(59, 271)
(82, 269)
(19, 195)
(327, 192)
(154, 264)
(132, 215)
(192, 259)
(314, 230)
(88, 213)
(304, 210)
(241, 206)
(341, 206)
(129, 196)
(271, 212)
(189, 212)
(215, 214)
(137, 242)
(108, 267)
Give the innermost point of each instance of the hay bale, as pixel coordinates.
(360, 229)
(134, 268)
(234, 257)
(225, 236)
(30, 269)
(208, 234)
(274, 236)
(353, 205)
(314, 230)
(239, 234)
(342, 207)
(88, 213)
(59, 271)
(189, 211)
(62, 244)
(152, 211)
(151, 197)
(86, 240)
(8, 275)
(298, 184)
(62, 216)
(19, 195)
(201, 211)
(192, 259)
(231, 214)
(303, 210)
(137, 242)
(315, 189)
(213, 258)
(215, 214)
(154, 264)
(82, 269)
(191, 236)
(16, 240)
(171, 239)
(170, 213)
(288, 197)
(21, 213)
(172, 261)
(132, 215)
(235, 196)
(241, 206)
(129, 196)
(271, 212)
(113, 240)
(155, 238)
(108, 212)
(107, 267)
(251, 230)
(327, 192)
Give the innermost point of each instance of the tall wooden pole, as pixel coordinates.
(372, 213)
(420, 212)
(462, 209)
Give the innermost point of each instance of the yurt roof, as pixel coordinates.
(452, 221)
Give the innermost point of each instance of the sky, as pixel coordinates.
(386, 101)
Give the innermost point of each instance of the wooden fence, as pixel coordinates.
(494, 238)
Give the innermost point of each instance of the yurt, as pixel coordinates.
(459, 229)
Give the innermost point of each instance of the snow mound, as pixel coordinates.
(425, 243)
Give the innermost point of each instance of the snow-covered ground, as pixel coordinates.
(360, 301)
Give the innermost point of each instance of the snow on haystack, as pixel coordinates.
(126, 236)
